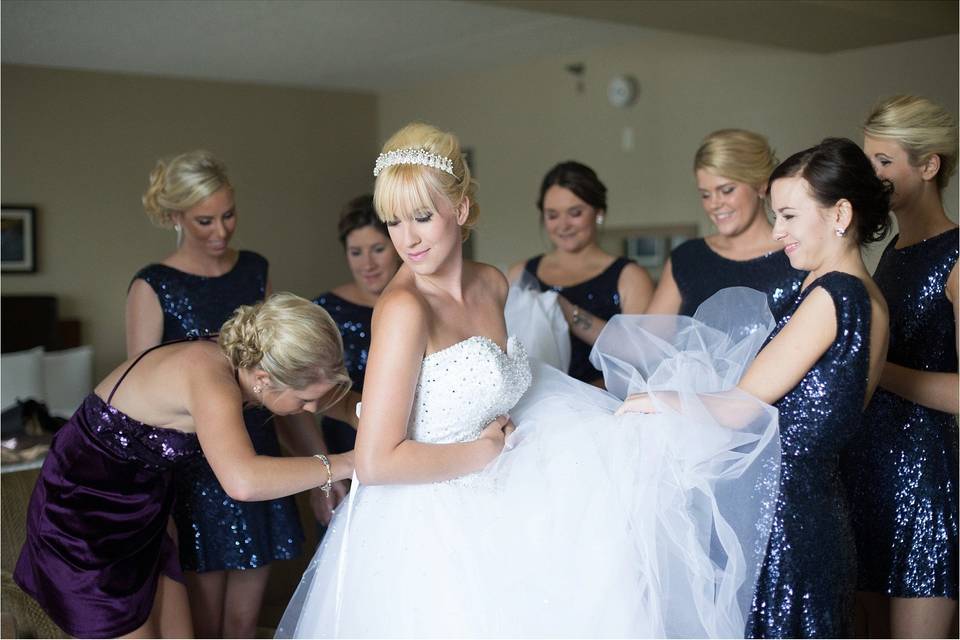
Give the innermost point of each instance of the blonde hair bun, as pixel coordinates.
(737, 154)
(181, 183)
(922, 127)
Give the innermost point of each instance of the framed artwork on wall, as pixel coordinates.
(18, 239)
(648, 246)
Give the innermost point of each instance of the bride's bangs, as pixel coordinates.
(403, 190)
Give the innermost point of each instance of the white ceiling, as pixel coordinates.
(367, 45)
(376, 45)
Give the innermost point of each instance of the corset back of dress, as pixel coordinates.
(464, 387)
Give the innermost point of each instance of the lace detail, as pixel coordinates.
(465, 386)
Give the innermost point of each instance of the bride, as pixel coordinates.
(496, 496)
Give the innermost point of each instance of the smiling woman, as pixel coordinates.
(592, 285)
(731, 168)
(225, 546)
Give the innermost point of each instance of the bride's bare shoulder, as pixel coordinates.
(401, 301)
(490, 279)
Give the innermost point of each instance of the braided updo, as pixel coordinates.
(181, 183)
(293, 340)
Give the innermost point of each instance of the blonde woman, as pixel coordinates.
(225, 546)
(573, 525)
(97, 557)
(902, 471)
(731, 168)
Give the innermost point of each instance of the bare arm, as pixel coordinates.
(666, 299)
(781, 364)
(936, 390)
(635, 288)
(215, 404)
(144, 318)
(777, 369)
(299, 434)
(384, 455)
(345, 410)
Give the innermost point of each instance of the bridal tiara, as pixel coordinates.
(413, 156)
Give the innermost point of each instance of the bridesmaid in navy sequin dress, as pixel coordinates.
(373, 261)
(902, 470)
(191, 293)
(593, 285)
(97, 557)
(818, 369)
(732, 167)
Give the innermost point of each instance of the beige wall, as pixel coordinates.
(80, 145)
(521, 120)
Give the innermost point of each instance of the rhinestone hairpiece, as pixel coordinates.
(413, 156)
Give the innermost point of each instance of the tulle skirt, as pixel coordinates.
(588, 524)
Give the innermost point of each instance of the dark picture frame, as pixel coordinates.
(18, 238)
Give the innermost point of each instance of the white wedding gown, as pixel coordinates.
(587, 525)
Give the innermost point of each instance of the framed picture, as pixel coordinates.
(18, 239)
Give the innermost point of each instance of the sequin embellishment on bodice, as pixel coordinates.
(464, 387)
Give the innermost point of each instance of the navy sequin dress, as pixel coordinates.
(902, 468)
(806, 584)
(599, 296)
(216, 532)
(700, 272)
(354, 321)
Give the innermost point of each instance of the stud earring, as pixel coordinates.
(600, 218)
(840, 232)
(257, 389)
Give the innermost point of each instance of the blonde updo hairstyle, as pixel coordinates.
(293, 340)
(403, 189)
(737, 154)
(923, 128)
(181, 183)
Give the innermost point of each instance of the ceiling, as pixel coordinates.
(376, 45)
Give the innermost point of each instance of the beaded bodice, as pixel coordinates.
(462, 388)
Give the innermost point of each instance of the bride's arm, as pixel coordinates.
(384, 455)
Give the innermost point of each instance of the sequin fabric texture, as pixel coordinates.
(902, 468)
(806, 584)
(96, 539)
(700, 272)
(354, 321)
(216, 532)
(599, 296)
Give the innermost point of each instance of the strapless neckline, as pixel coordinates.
(466, 341)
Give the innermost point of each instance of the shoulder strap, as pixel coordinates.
(532, 265)
(145, 352)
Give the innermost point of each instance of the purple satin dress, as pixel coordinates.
(96, 539)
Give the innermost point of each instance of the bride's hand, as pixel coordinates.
(497, 432)
(636, 403)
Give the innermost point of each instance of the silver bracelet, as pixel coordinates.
(328, 485)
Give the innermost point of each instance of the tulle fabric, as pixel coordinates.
(536, 320)
(588, 524)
